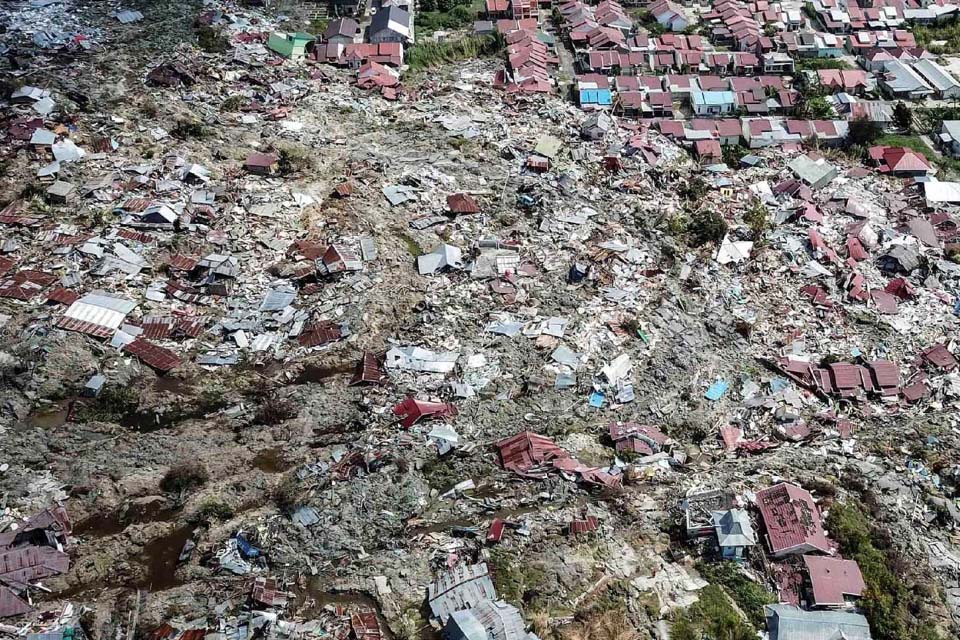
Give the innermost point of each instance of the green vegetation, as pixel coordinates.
(516, 580)
(212, 40)
(435, 15)
(815, 64)
(711, 617)
(948, 32)
(184, 477)
(294, 157)
(233, 103)
(757, 218)
(863, 132)
(903, 117)
(425, 55)
(188, 128)
(706, 227)
(749, 596)
(113, 403)
(274, 410)
(286, 495)
(732, 154)
(211, 510)
(646, 19)
(896, 606)
(815, 108)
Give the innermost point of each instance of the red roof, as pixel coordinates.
(462, 203)
(833, 578)
(157, 357)
(792, 520)
(410, 410)
(522, 452)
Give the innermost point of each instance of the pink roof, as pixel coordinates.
(792, 519)
(832, 578)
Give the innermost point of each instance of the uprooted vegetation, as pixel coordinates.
(184, 477)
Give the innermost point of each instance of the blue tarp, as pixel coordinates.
(717, 389)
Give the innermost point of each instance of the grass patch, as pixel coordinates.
(711, 617)
(749, 596)
(425, 55)
(517, 581)
(896, 606)
(294, 157)
(413, 247)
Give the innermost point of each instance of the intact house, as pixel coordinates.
(341, 31)
(832, 583)
(713, 103)
(901, 162)
(792, 521)
(735, 533)
(949, 137)
(391, 25)
(290, 45)
(901, 81)
(945, 86)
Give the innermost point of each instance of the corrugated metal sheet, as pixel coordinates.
(463, 587)
(155, 356)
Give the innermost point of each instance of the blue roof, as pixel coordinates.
(713, 98)
(595, 96)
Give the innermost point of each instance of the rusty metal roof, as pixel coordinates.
(526, 450)
(369, 370)
(155, 356)
(323, 332)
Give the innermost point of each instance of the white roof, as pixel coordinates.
(101, 309)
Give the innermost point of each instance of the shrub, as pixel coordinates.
(212, 40)
(212, 509)
(757, 219)
(274, 410)
(113, 403)
(863, 131)
(286, 495)
(706, 227)
(184, 477)
(294, 157)
(187, 128)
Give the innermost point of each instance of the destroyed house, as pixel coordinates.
(338, 259)
(792, 521)
(525, 451)
(698, 509)
(462, 587)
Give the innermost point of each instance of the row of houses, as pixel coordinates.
(707, 96)
(846, 16)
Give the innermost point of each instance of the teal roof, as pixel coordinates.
(595, 96)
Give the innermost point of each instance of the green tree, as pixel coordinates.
(862, 132)
(903, 117)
